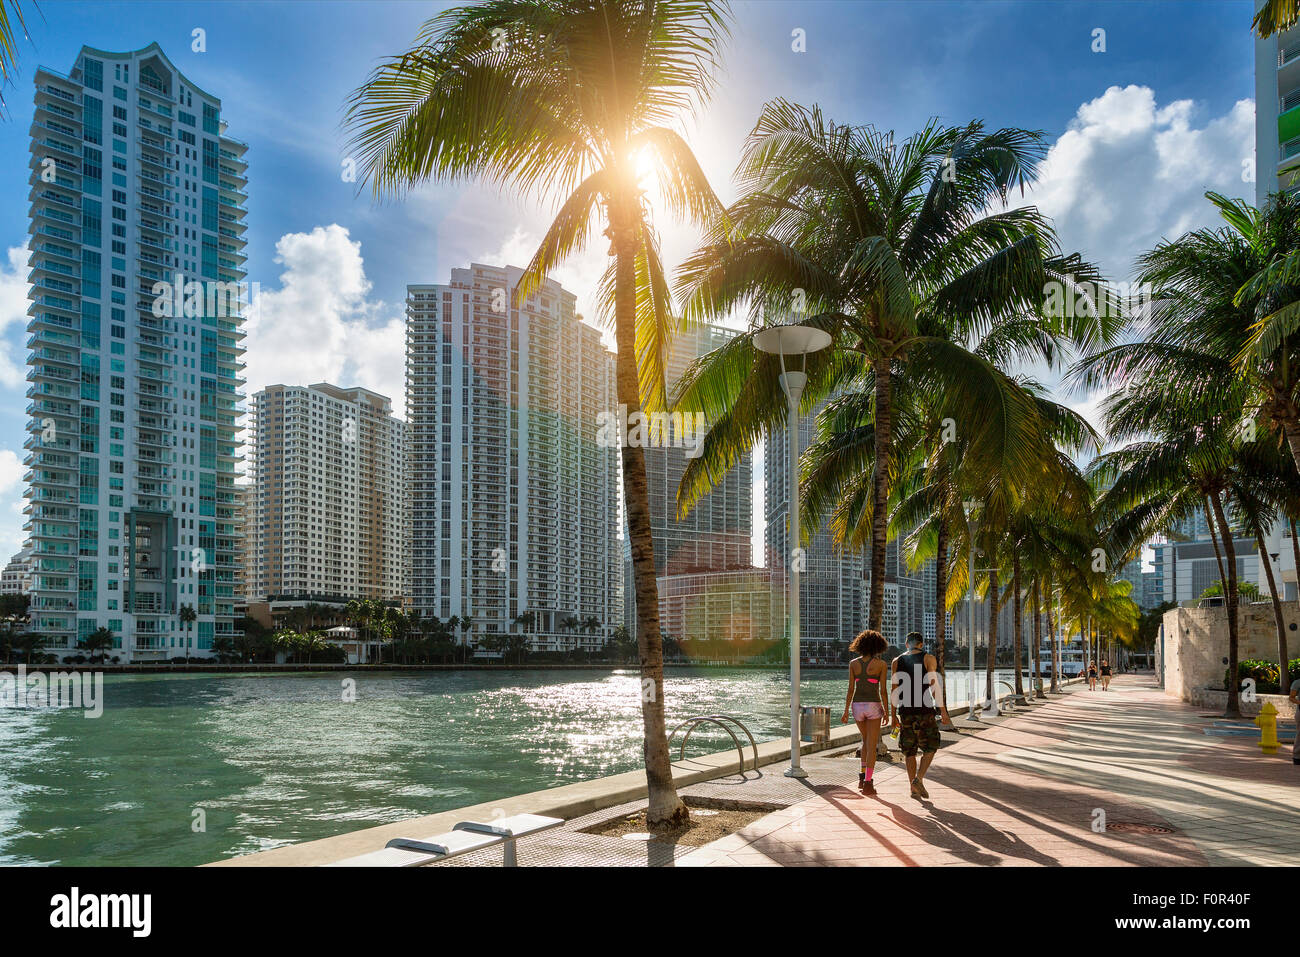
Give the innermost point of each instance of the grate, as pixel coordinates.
(1133, 827)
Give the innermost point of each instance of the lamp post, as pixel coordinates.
(792, 342)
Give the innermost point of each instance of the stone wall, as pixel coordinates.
(1195, 644)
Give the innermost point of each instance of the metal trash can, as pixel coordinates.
(815, 724)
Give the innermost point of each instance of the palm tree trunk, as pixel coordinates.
(880, 494)
(1015, 632)
(1291, 428)
(664, 808)
(992, 656)
(1230, 602)
(1051, 632)
(1283, 676)
(1295, 552)
(941, 593)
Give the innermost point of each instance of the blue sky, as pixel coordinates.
(1138, 133)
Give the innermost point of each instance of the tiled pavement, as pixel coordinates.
(1030, 789)
(1025, 790)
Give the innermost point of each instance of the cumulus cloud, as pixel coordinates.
(320, 325)
(1128, 172)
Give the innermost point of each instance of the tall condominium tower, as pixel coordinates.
(329, 516)
(1277, 112)
(716, 534)
(513, 496)
(833, 602)
(137, 219)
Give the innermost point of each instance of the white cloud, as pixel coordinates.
(1128, 172)
(320, 325)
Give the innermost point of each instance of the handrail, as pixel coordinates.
(719, 720)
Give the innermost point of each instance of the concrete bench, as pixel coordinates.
(464, 837)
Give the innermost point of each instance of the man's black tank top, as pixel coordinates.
(911, 688)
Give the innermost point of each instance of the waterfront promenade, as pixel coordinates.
(1029, 789)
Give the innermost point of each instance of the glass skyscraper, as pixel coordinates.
(137, 269)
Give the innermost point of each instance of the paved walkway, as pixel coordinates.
(1031, 789)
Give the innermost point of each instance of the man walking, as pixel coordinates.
(916, 690)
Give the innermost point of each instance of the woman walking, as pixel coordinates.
(1105, 675)
(869, 707)
(1092, 676)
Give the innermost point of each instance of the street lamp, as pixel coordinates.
(971, 714)
(793, 342)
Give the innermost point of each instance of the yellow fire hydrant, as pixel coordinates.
(1267, 721)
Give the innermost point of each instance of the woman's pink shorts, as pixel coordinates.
(867, 711)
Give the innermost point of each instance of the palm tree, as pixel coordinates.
(892, 250)
(187, 616)
(100, 640)
(1275, 16)
(224, 647)
(573, 96)
(31, 645)
(11, 14)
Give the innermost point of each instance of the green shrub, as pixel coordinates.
(1265, 674)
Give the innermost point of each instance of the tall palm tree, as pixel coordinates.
(573, 98)
(188, 616)
(893, 250)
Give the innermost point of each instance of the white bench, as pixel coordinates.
(464, 837)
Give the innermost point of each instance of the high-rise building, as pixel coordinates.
(513, 494)
(832, 600)
(716, 534)
(16, 578)
(329, 516)
(137, 222)
(1277, 112)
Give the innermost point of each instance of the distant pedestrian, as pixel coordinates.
(916, 692)
(1105, 675)
(1092, 676)
(870, 708)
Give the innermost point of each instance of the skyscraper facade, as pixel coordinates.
(137, 223)
(832, 598)
(514, 498)
(329, 515)
(716, 534)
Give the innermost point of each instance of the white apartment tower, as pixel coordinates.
(1277, 112)
(833, 601)
(513, 499)
(328, 515)
(137, 269)
(716, 534)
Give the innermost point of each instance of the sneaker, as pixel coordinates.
(917, 791)
(921, 788)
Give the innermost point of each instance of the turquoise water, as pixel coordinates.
(271, 759)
